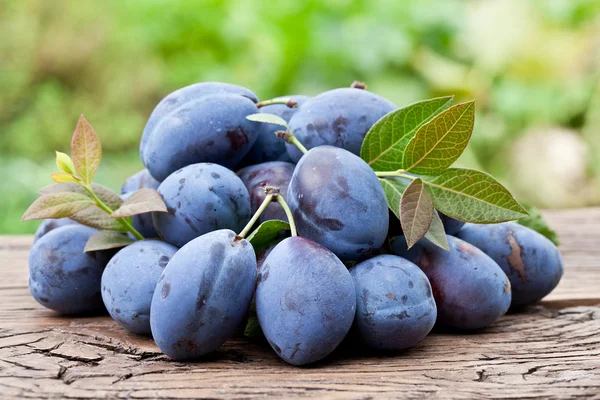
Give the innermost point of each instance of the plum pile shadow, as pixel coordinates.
(308, 220)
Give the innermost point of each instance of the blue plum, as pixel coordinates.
(269, 147)
(203, 295)
(64, 278)
(469, 288)
(49, 224)
(305, 300)
(395, 308)
(339, 117)
(256, 177)
(531, 261)
(205, 122)
(451, 225)
(140, 180)
(201, 198)
(337, 201)
(129, 280)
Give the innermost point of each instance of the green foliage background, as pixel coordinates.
(532, 66)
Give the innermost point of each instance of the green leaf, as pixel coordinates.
(266, 233)
(393, 189)
(57, 205)
(384, 144)
(268, 118)
(253, 329)
(63, 177)
(64, 163)
(416, 212)
(105, 240)
(436, 233)
(86, 151)
(536, 221)
(107, 196)
(439, 143)
(96, 218)
(472, 196)
(139, 202)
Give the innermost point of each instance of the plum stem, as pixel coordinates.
(288, 213)
(123, 221)
(288, 101)
(400, 173)
(297, 143)
(289, 137)
(268, 198)
(359, 85)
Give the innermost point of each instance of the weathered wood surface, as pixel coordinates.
(551, 350)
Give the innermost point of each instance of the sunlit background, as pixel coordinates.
(531, 66)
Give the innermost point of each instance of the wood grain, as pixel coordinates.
(551, 350)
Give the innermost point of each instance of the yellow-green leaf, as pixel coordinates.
(86, 151)
(60, 177)
(472, 196)
(386, 141)
(57, 205)
(416, 212)
(439, 143)
(267, 118)
(64, 163)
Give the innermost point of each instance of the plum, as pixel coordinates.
(451, 225)
(469, 288)
(337, 201)
(339, 117)
(201, 198)
(531, 261)
(203, 295)
(140, 180)
(205, 122)
(61, 276)
(129, 280)
(269, 147)
(256, 177)
(395, 308)
(49, 224)
(305, 300)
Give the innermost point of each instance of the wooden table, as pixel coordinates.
(551, 350)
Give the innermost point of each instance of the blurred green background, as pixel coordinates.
(532, 66)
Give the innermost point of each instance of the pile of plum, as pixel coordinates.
(346, 274)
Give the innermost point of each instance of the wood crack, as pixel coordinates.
(481, 376)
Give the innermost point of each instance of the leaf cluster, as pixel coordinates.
(413, 149)
(73, 195)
